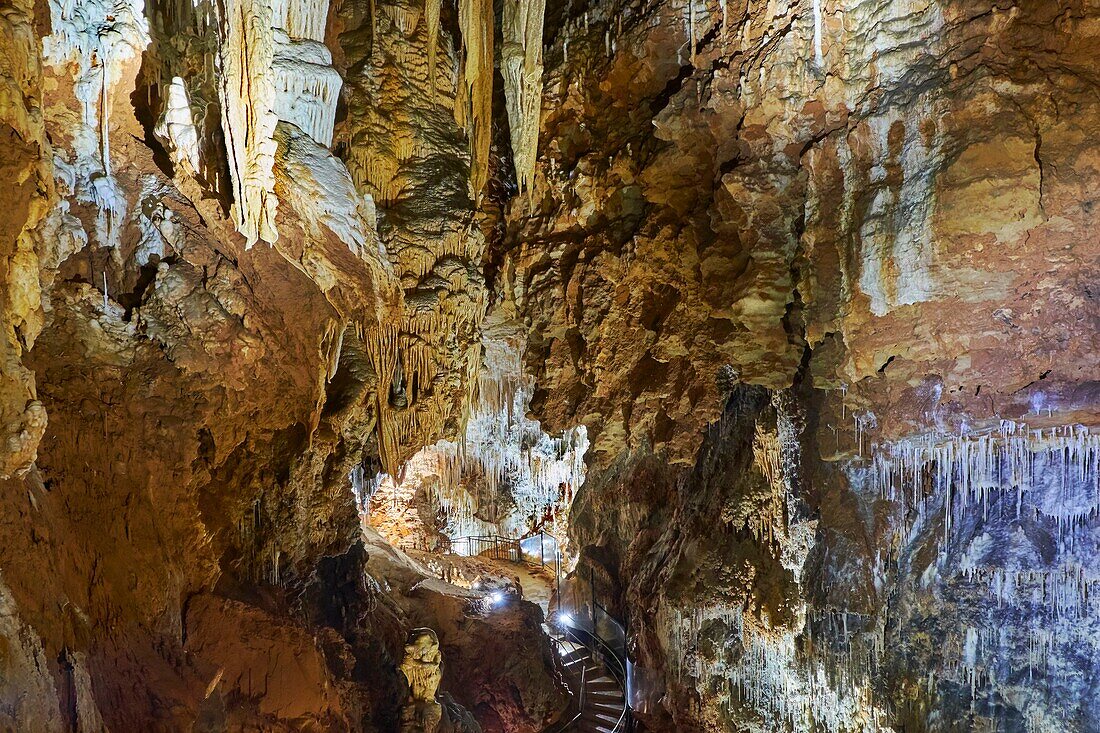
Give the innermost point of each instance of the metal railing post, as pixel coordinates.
(592, 595)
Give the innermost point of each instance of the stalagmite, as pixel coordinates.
(422, 668)
(248, 119)
(474, 105)
(521, 67)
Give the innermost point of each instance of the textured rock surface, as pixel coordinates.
(180, 537)
(802, 281)
(884, 206)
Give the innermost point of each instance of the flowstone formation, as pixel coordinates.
(421, 668)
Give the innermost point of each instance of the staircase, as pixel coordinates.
(600, 705)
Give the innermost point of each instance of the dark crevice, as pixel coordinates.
(671, 88)
(146, 277)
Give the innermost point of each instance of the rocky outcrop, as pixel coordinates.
(180, 534)
(26, 167)
(875, 212)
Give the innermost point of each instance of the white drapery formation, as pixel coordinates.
(306, 86)
(177, 127)
(301, 18)
(248, 122)
(274, 67)
(521, 66)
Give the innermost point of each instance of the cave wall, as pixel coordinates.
(208, 319)
(812, 276)
(879, 213)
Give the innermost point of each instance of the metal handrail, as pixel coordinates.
(490, 543)
(615, 660)
(611, 661)
(563, 725)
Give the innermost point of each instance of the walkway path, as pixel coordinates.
(601, 698)
(599, 695)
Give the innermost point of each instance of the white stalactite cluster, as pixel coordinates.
(502, 452)
(301, 19)
(1054, 473)
(98, 38)
(504, 469)
(521, 67)
(1014, 513)
(307, 87)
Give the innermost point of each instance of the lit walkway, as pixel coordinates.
(599, 695)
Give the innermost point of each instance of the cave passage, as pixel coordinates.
(549, 366)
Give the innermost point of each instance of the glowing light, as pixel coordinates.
(565, 619)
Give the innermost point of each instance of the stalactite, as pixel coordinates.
(521, 67)
(691, 30)
(381, 347)
(474, 105)
(818, 57)
(105, 113)
(431, 20)
(248, 122)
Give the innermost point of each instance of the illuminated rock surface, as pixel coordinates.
(781, 317)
